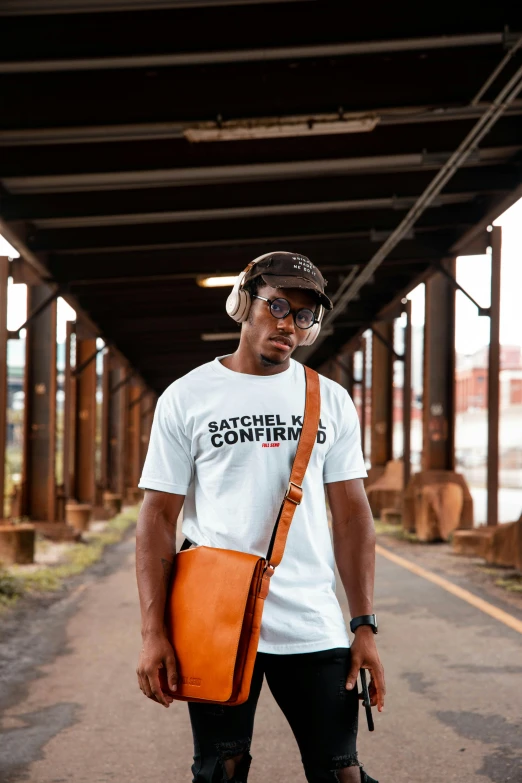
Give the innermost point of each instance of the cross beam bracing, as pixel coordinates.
(105, 191)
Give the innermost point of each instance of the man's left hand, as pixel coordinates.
(365, 656)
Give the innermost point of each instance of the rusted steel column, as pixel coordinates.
(4, 274)
(69, 410)
(406, 396)
(363, 396)
(85, 450)
(347, 374)
(382, 396)
(118, 394)
(105, 445)
(146, 417)
(38, 472)
(133, 435)
(438, 414)
(494, 377)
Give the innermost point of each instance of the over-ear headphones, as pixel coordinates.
(239, 302)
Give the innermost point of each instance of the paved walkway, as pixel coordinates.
(72, 710)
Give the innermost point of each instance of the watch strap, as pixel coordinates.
(364, 619)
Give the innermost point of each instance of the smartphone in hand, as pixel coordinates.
(366, 700)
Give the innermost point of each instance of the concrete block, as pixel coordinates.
(112, 502)
(472, 543)
(17, 544)
(499, 545)
(387, 490)
(391, 516)
(78, 515)
(57, 531)
(437, 502)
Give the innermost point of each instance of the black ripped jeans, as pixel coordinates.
(310, 690)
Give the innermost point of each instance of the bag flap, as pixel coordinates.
(205, 614)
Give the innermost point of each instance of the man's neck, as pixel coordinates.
(245, 362)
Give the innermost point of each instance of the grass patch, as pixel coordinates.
(396, 531)
(15, 581)
(512, 584)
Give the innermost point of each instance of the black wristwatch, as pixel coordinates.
(364, 619)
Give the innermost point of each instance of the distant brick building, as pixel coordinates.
(472, 379)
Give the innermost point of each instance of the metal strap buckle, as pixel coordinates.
(295, 490)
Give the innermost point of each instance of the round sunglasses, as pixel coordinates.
(280, 308)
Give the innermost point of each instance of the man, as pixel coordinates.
(222, 444)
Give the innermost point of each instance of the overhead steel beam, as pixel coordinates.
(250, 172)
(232, 213)
(258, 55)
(469, 144)
(47, 7)
(154, 131)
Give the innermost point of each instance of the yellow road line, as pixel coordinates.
(460, 592)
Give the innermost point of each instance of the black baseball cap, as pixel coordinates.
(282, 269)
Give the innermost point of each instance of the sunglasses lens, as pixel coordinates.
(304, 318)
(279, 308)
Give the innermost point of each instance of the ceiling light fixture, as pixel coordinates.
(215, 281)
(276, 127)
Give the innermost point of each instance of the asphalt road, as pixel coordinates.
(71, 709)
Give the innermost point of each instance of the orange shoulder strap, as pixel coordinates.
(294, 493)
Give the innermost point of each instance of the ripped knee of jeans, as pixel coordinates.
(235, 759)
(344, 768)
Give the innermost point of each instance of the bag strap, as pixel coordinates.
(294, 493)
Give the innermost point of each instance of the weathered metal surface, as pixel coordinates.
(118, 379)
(85, 452)
(132, 472)
(69, 410)
(494, 378)
(382, 396)
(406, 396)
(4, 273)
(38, 473)
(439, 374)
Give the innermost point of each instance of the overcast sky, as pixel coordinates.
(473, 273)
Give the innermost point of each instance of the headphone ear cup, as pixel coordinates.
(313, 333)
(238, 301)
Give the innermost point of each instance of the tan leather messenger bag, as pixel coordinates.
(216, 596)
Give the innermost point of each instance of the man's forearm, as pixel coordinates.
(354, 543)
(354, 548)
(155, 551)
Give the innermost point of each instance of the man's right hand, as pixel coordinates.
(156, 655)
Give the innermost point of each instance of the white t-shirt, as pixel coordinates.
(226, 440)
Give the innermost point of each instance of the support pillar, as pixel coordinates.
(363, 395)
(85, 415)
(437, 500)
(38, 474)
(438, 414)
(494, 378)
(146, 418)
(4, 274)
(69, 409)
(118, 396)
(105, 417)
(406, 398)
(382, 400)
(132, 478)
